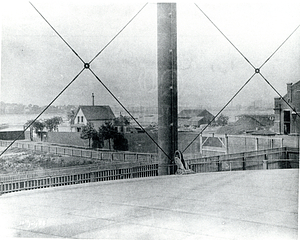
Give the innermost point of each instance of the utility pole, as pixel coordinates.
(167, 83)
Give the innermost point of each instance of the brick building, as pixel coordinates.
(286, 119)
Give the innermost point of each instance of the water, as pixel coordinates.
(17, 121)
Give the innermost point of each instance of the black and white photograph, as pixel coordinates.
(150, 120)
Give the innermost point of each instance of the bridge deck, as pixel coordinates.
(227, 205)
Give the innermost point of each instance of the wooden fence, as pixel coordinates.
(83, 153)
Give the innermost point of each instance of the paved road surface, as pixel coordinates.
(259, 204)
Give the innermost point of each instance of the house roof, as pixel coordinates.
(264, 132)
(263, 120)
(93, 113)
(189, 113)
(243, 125)
(195, 119)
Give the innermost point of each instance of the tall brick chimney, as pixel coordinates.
(289, 91)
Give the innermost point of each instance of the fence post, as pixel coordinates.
(92, 177)
(226, 144)
(272, 143)
(219, 164)
(201, 147)
(256, 144)
(265, 162)
(1, 188)
(244, 163)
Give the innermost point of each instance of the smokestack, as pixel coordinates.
(289, 91)
(167, 83)
(93, 100)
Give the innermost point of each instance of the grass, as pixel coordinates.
(16, 160)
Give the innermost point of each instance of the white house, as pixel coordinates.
(97, 115)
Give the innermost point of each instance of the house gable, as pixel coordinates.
(80, 118)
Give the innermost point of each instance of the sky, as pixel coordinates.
(36, 64)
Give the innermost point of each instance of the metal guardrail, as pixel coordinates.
(83, 153)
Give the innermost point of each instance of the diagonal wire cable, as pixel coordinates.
(248, 79)
(57, 33)
(110, 92)
(96, 75)
(117, 34)
(219, 112)
(41, 113)
(279, 94)
(225, 36)
(279, 47)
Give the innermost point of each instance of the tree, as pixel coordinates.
(222, 120)
(37, 125)
(88, 132)
(71, 115)
(122, 120)
(97, 142)
(120, 142)
(107, 132)
(52, 123)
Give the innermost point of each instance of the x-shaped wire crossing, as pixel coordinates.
(256, 71)
(87, 66)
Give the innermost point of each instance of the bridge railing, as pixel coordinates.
(70, 176)
(253, 160)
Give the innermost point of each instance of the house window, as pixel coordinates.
(286, 122)
(81, 118)
(78, 119)
(287, 116)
